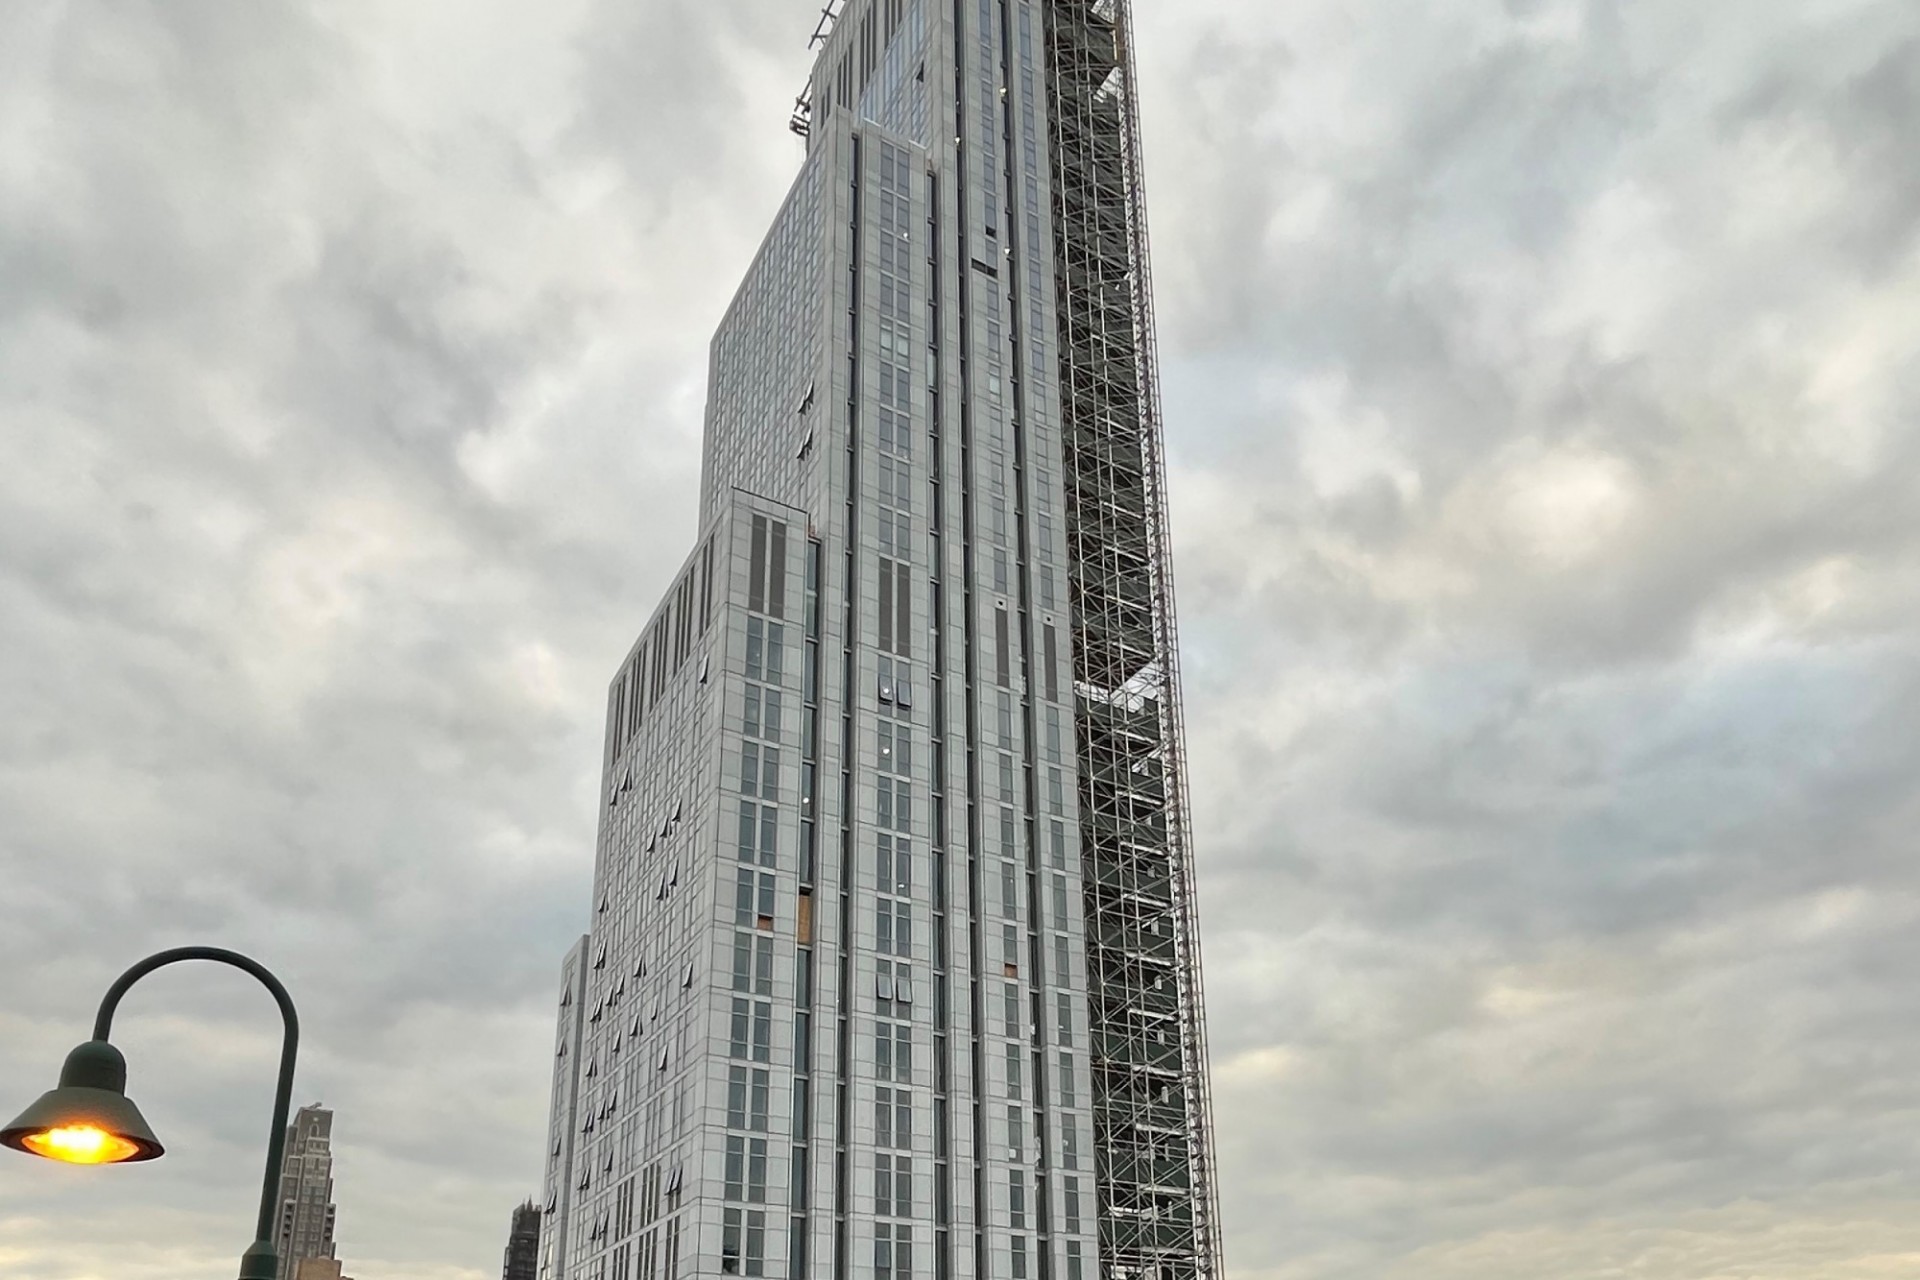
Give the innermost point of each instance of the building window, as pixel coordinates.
(767, 567)
(753, 963)
(893, 928)
(747, 1095)
(750, 1031)
(746, 1169)
(758, 839)
(765, 657)
(759, 771)
(895, 748)
(1002, 648)
(893, 804)
(893, 1051)
(903, 610)
(761, 717)
(893, 1118)
(894, 864)
(893, 1185)
(736, 1169)
(896, 534)
(753, 899)
(892, 1251)
(896, 681)
(756, 1243)
(893, 987)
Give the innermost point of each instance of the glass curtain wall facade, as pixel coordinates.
(892, 969)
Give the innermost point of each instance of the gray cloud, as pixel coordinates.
(1541, 398)
(344, 432)
(1553, 760)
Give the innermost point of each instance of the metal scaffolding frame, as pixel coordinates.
(801, 120)
(1153, 1126)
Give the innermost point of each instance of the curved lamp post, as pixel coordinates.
(90, 1120)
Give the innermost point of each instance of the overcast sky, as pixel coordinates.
(1543, 391)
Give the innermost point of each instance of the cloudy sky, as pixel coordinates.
(1544, 403)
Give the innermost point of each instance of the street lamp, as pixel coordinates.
(89, 1119)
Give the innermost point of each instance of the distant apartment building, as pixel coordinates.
(306, 1197)
(523, 1244)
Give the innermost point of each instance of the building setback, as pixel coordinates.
(892, 968)
(318, 1269)
(306, 1192)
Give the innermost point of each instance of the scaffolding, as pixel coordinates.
(801, 119)
(1153, 1127)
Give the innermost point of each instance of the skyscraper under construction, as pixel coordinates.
(892, 969)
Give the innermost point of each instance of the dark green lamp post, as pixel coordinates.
(90, 1120)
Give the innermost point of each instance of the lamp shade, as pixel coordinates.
(89, 1119)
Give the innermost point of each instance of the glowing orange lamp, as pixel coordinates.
(81, 1144)
(89, 1118)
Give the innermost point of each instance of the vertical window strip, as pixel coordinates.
(885, 617)
(903, 602)
(1053, 663)
(777, 568)
(757, 567)
(1002, 648)
(706, 588)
